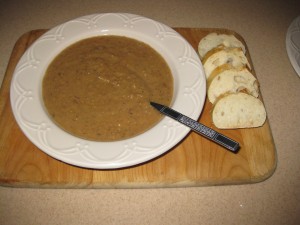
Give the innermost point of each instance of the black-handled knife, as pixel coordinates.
(205, 131)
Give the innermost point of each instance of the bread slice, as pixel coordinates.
(219, 56)
(227, 79)
(238, 111)
(213, 40)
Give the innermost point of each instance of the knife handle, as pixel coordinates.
(201, 129)
(209, 133)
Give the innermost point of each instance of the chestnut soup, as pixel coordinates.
(99, 88)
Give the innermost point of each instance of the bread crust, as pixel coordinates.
(238, 110)
(221, 55)
(214, 40)
(227, 79)
(231, 87)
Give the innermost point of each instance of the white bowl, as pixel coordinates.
(292, 42)
(30, 114)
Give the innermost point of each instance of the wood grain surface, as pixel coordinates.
(193, 162)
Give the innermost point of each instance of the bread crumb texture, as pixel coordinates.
(231, 87)
(238, 110)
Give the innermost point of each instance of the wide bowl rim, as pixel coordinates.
(27, 105)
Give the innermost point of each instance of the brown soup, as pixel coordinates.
(99, 88)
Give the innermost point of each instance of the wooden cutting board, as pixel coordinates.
(193, 162)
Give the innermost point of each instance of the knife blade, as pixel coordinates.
(201, 129)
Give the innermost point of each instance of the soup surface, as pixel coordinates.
(99, 88)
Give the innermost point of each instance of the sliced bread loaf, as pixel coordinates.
(221, 55)
(238, 110)
(213, 40)
(227, 79)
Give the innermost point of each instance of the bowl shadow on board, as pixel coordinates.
(156, 158)
(132, 166)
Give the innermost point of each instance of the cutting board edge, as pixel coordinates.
(179, 184)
